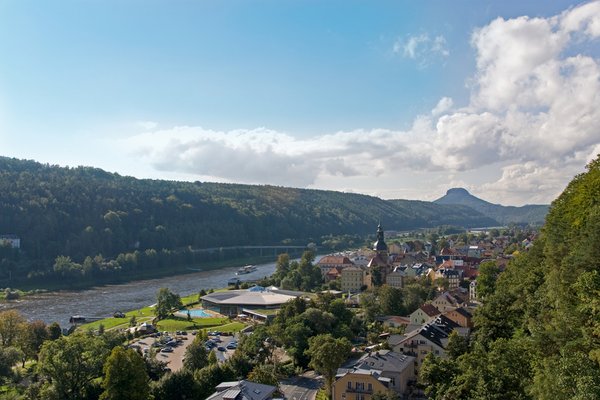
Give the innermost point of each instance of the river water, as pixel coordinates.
(103, 301)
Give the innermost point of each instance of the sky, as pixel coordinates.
(395, 99)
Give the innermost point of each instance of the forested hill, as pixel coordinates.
(86, 211)
(538, 332)
(533, 214)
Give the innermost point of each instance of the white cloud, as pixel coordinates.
(421, 48)
(534, 113)
(444, 105)
(146, 124)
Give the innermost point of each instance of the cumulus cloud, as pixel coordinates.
(534, 112)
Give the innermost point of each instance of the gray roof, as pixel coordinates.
(437, 331)
(380, 361)
(250, 298)
(242, 390)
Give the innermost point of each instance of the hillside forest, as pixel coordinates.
(85, 223)
(538, 332)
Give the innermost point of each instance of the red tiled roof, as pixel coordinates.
(328, 260)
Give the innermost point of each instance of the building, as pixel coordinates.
(473, 290)
(429, 338)
(10, 240)
(461, 316)
(236, 302)
(352, 279)
(395, 279)
(379, 266)
(424, 314)
(446, 301)
(242, 390)
(374, 372)
(327, 263)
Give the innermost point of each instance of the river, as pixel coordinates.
(103, 301)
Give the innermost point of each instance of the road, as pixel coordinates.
(302, 387)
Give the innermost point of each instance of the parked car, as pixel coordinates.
(232, 346)
(167, 350)
(221, 348)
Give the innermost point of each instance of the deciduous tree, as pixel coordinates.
(125, 376)
(327, 354)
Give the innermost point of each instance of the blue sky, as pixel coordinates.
(394, 99)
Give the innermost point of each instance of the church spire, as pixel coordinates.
(379, 246)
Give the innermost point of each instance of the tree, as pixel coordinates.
(457, 345)
(54, 331)
(11, 324)
(125, 376)
(370, 304)
(486, 281)
(391, 300)
(166, 302)
(178, 385)
(31, 339)
(212, 358)
(327, 354)
(72, 363)
(387, 395)
(8, 357)
(210, 376)
(196, 356)
(267, 374)
(436, 374)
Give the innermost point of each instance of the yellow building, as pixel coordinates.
(352, 279)
(375, 372)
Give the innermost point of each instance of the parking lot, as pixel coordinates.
(179, 345)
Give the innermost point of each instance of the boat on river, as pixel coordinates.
(246, 270)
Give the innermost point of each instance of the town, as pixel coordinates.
(357, 324)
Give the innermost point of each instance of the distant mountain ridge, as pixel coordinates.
(532, 213)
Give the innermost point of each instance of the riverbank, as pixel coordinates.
(35, 287)
(170, 324)
(103, 301)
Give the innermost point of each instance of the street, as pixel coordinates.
(303, 387)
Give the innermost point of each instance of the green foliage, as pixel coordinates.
(125, 376)
(72, 363)
(267, 374)
(11, 324)
(196, 356)
(486, 281)
(387, 395)
(178, 385)
(327, 354)
(166, 302)
(538, 332)
(102, 225)
(8, 357)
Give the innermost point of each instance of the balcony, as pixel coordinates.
(359, 390)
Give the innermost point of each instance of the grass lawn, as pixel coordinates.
(182, 324)
(232, 327)
(146, 314)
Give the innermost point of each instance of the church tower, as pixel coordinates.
(379, 246)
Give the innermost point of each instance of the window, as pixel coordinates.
(370, 387)
(349, 385)
(393, 381)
